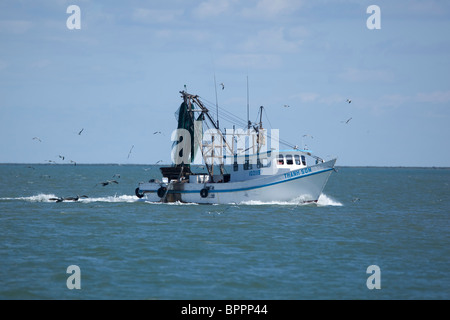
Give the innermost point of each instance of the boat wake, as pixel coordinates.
(52, 197)
(323, 201)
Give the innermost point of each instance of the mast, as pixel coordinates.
(217, 101)
(259, 136)
(190, 99)
(260, 116)
(248, 109)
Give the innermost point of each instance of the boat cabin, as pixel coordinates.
(269, 163)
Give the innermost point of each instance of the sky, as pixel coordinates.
(118, 76)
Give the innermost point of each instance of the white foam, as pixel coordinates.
(46, 198)
(176, 203)
(323, 200)
(115, 198)
(37, 198)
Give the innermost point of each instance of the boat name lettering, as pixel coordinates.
(254, 173)
(297, 173)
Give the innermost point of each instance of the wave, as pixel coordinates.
(323, 200)
(51, 198)
(36, 198)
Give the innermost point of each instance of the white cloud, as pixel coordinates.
(434, 97)
(270, 9)
(271, 40)
(307, 96)
(431, 7)
(15, 26)
(367, 75)
(332, 99)
(249, 61)
(183, 36)
(212, 8)
(155, 15)
(397, 100)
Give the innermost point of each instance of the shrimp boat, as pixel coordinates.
(242, 165)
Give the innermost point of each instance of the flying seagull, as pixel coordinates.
(36, 138)
(156, 132)
(349, 101)
(223, 86)
(79, 133)
(286, 106)
(62, 157)
(130, 151)
(346, 121)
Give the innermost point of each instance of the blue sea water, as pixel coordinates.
(394, 218)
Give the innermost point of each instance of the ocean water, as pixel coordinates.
(394, 218)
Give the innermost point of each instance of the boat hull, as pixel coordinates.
(302, 185)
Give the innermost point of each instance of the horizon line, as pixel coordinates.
(165, 164)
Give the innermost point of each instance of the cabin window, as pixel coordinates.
(304, 160)
(280, 159)
(297, 160)
(235, 164)
(289, 160)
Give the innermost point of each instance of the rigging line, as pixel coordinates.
(209, 103)
(224, 116)
(257, 116)
(264, 109)
(283, 142)
(232, 118)
(232, 121)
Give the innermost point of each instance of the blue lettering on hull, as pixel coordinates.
(296, 173)
(254, 173)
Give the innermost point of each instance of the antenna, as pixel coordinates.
(248, 112)
(217, 103)
(260, 116)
